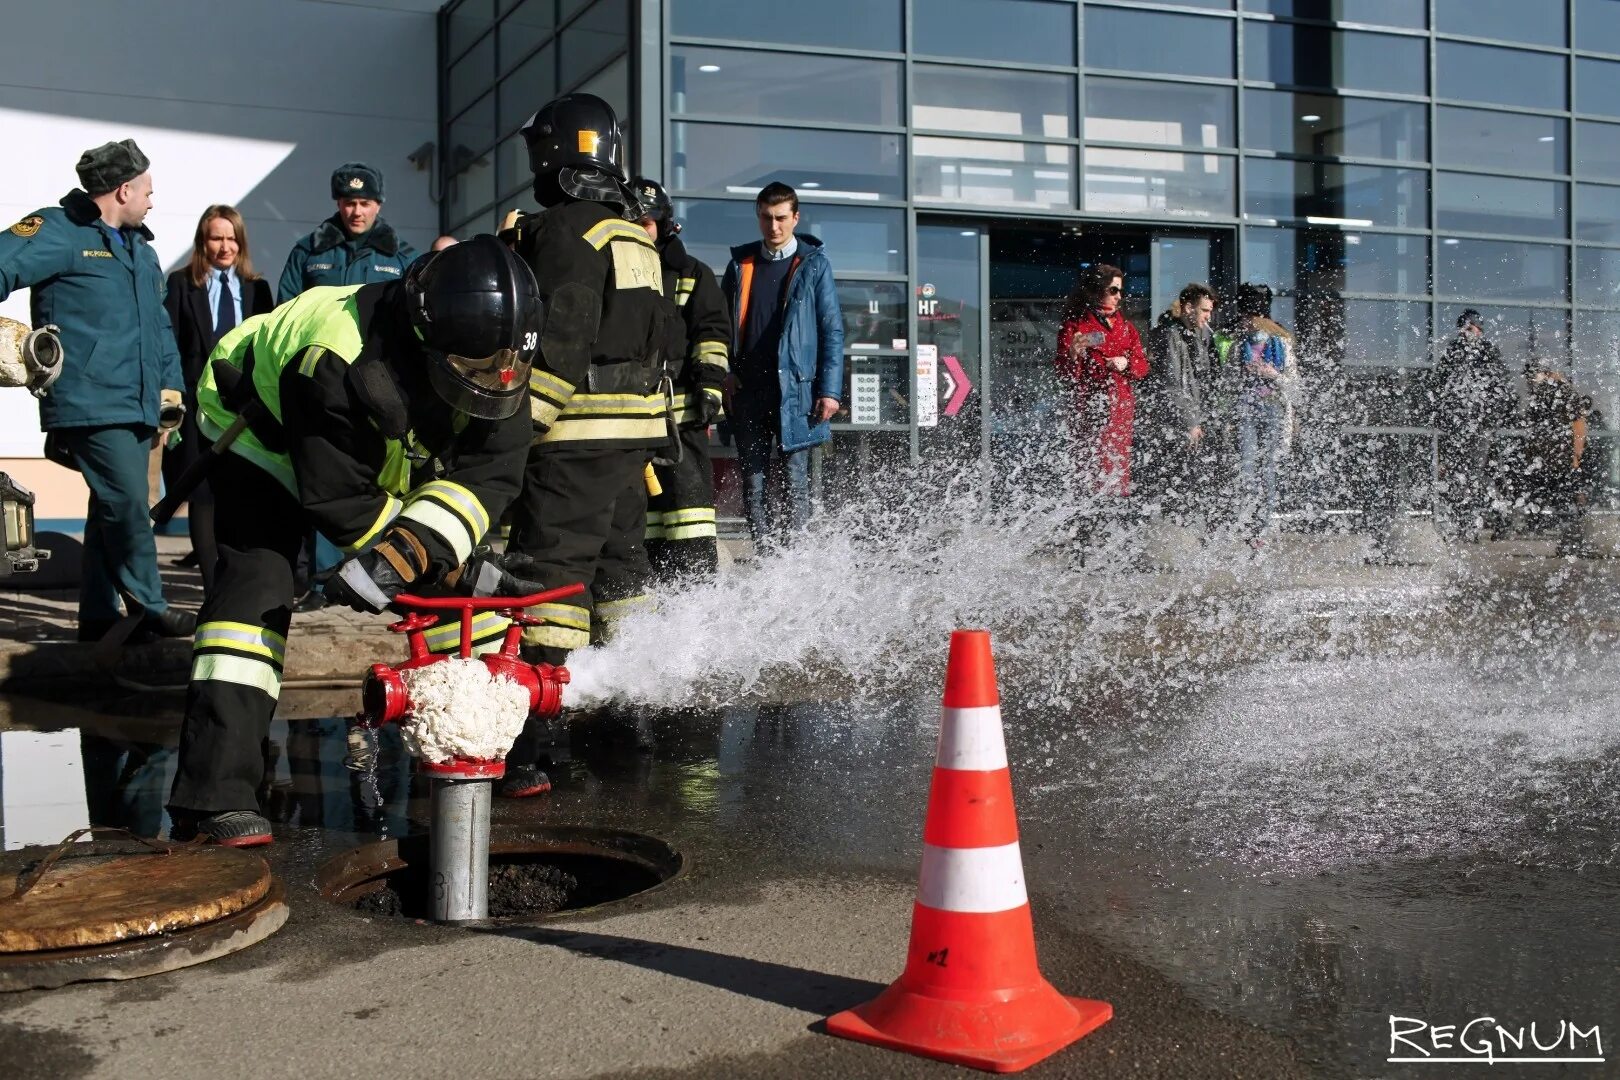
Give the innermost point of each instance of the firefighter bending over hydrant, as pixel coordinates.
(390, 418)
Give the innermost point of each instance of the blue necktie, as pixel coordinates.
(225, 312)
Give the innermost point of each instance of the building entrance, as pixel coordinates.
(986, 383)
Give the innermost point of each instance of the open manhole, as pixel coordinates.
(533, 872)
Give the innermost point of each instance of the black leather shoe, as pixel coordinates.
(188, 561)
(173, 623)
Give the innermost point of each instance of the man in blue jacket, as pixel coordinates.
(352, 247)
(92, 272)
(787, 374)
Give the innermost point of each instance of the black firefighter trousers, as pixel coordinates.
(580, 519)
(241, 642)
(681, 538)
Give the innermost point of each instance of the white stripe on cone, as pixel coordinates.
(971, 739)
(974, 880)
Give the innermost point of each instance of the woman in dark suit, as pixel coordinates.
(213, 293)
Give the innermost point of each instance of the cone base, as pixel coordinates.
(996, 1036)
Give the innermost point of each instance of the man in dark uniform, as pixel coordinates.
(390, 417)
(594, 394)
(1472, 397)
(90, 265)
(354, 246)
(680, 518)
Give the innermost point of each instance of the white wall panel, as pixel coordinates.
(251, 102)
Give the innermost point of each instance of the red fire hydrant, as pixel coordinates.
(385, 698)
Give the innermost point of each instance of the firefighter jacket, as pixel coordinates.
(330, 256)
(704, 330)
(106, 296)
(342, 415)
(596, 382)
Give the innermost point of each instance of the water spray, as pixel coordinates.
(458, 840)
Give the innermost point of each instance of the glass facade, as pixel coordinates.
(1384, 164)
(500, 61)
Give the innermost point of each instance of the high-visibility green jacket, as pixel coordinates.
(351, 426)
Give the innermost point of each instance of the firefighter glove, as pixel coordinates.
(369, 582)
(705, 410)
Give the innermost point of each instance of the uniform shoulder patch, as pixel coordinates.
(28, 226)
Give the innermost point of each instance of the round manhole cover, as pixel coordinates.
(120, 915)
(532, 872)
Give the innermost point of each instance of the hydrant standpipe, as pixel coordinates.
(458, 840)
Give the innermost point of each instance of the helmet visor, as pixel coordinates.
(488, 387)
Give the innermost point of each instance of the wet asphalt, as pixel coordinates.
(1256, 867)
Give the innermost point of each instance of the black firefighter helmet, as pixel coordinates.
(652, 201)
(476, 310)
(576, 151)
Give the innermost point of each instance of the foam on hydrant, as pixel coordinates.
(462, 709)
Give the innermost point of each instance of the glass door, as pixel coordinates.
(948, 357)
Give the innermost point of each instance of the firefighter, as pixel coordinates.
(388, 416)
(596, 394)
(680, 519)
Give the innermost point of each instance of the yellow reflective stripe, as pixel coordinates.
(390, 511)
(312, 356)
(599, 235)
(451, 527)
(457, 497)
(487, 630)
(597, 404)
(618, 609)
(242, 637)
(563, 615)
(585, 429)
(689, 515)
(690, 532)
(544, 382)
(713, 352)
(241, 670)
(556, 637)
(543, 412)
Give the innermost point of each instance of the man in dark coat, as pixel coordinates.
(1472, 396)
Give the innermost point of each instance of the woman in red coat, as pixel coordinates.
(1100, 357)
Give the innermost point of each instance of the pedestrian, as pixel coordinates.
(1473, 396)
(1176, 395)
(595, 395)
(1100, 359)
(680, 535)
(388, 416)
(92, 272)
(354, 246)
(1260, 354)
(788, 374)
(213, 293)
(1564, 468)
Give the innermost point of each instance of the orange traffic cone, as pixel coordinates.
(971, 993)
